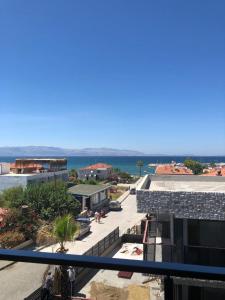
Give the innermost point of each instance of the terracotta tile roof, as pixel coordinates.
(97, 166)
(214, 171)
(171, 169)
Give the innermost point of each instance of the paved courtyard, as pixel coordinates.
(125, 219)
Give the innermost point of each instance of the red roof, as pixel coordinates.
(217, 171)
(172, 169)
(97, 166)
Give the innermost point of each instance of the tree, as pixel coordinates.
(64, 229)
(140, 164)
(116, 170)
(125, 176)
(2, 201)
(48, 199)
(195, 166)
(91, 181)
(23, 220)
(73, 173)
(51, 200)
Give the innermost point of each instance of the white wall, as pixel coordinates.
(91, 174)
(10, 181)
(4, 168)
(7, 182)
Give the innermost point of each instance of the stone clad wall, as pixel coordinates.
(190, 205)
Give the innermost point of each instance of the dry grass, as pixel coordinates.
(45, 236)
(101, 291)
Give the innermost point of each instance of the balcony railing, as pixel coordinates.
(168, 270)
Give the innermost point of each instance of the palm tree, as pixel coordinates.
(64, 230)
(140, 164)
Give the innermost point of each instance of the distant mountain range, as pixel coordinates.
(56, 151)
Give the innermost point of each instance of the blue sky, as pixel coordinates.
(145, 75)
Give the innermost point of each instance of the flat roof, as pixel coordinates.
(19, 175)
(187, 186)
(87, 189)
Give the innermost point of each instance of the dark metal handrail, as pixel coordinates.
(96, 262)
(205, 247)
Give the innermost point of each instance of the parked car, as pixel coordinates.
(133, 191)
(115, 206)
(85, 226)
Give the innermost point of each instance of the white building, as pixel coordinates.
(91, 196)
(26, 171)
(4, 168)
(98, 171)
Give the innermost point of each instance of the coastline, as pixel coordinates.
(128, 163)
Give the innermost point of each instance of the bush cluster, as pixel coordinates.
(10, 239)
(48, 200)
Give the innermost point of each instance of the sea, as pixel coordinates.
(128, 163)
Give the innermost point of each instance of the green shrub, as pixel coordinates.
(13, 197)
(26, 223)
(195, 166)
(48, 199)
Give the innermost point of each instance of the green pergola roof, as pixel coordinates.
(87, 189)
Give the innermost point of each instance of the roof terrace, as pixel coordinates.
(189, 183)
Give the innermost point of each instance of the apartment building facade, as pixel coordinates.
(187, 225)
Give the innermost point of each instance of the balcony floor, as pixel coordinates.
(107, 282)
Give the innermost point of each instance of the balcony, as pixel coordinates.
(168, 271)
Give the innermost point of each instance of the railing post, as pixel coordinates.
(168, 288)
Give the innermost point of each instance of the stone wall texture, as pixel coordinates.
(189, 205)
